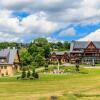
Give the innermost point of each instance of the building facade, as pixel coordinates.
(9, 62)
(62, 57)
(85, 52)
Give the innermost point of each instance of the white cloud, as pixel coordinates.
(68, 32)
(47, 16)
(5, 13)
(10, 25)
(58, 10)
(38, 24)
(54, 40)
(5, 37)
(94, 36)
(38, 4)
(32, 24)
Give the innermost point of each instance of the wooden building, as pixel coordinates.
(62, 57)
(9, 62)
(86, 52)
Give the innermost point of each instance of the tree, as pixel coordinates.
(4, 45)
(60, 46)
(46, 51)
(39, 60)
(33, 49)
(43, 47)
(25, 57)
(52, 46)
(40, 42)
(66, 45)
(40, 50)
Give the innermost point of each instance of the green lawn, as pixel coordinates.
(62, 87)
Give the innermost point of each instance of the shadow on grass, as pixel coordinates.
(51, 98)
(75, 96)
(87, 95)
(43, 98)
(70, 96)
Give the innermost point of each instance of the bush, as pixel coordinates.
(23, 74)
(28, 74)
(33, 72)
(46, 67)
(36, 75)
(77, 68)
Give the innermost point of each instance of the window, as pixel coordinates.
(5, 67)
(6, 72)
(2, 60)
(2, 74)
(1, 67)
(16, 66)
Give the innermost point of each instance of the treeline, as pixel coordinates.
(59, 46)
(4, 45)
(37, 52)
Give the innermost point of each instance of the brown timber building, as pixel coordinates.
(62, 57)
(86, 52)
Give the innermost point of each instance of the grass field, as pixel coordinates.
(53, 87)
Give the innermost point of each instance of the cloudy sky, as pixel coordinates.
(25, 20)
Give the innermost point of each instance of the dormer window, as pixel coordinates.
(2, 60)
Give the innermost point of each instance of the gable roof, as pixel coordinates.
(4, 53)
(59, 52)
(83, 44)
(9, 54)
(91, 45)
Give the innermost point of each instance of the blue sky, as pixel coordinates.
(56, 20)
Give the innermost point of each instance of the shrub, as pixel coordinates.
(46, 67)
(23, 74)
(28, 74)
(77, 68)
(33, 72)
(36, 75)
